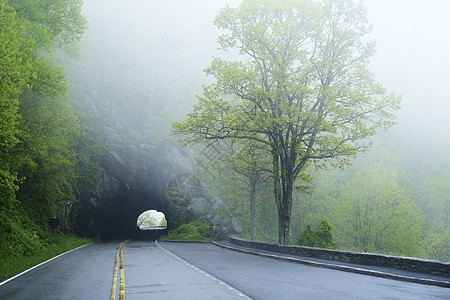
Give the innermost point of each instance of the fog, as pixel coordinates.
(141, 64)
(162, 47)
(413, 60)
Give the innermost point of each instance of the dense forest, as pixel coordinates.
(64, 71)
(46, 157)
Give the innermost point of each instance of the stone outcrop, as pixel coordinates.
(189, 194)
(221, 229)
(135, 178)
(132, 179)
(139, 165)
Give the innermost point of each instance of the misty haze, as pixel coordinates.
(302, 124)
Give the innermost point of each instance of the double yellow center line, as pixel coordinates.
(122, 273)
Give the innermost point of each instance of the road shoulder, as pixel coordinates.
(383, 272)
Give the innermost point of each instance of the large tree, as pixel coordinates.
(301, 87)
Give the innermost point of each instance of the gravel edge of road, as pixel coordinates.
(385, 275)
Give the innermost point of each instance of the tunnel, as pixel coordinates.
(116, 219)
(133, 179)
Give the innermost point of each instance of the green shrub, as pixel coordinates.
(19, 237)
(321, 237)
(181, 201)
(196, 230)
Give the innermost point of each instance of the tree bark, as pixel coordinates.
(284, 215)
(284, 225)
(252, 207)
(277, 192)
(283, 188)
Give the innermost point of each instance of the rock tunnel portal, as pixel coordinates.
(117, 218)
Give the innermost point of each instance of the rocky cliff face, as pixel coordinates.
(138, 177)
(130, 88)
(133, 178)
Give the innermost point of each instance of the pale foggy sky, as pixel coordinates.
(413, 57)
(412, 42)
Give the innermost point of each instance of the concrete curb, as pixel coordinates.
(340, 267)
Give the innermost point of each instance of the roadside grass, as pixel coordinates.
(15, 265)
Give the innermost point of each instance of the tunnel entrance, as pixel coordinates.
(151, 220)
(151, 224)
(118, 218)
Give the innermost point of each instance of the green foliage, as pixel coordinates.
(418, 228)
(437, 245)
(39, 126)
(302, 90)
(220, 175)
(90, 149)
(16, 72)
(320, 237)
(152, 219)
(178, 196)
(52, 133)
(20, 237)
(182, 201)
(374, 214)
(196, 230)
(47, 21)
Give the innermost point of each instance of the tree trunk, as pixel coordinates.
(283, 187)
(284, 215)
(252, 208)
(284, 224)
(277, 192)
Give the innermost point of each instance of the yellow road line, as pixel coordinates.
(122, 273)
(113, 292)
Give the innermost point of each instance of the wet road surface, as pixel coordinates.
(150, 272)
(266, 278)
(166, 270)
(86, 273)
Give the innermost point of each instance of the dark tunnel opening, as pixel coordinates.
(117, 218)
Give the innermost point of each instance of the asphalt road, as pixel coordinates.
(266, 278)
(87, 273)
(198, 271)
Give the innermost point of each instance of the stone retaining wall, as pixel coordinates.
(405, 263)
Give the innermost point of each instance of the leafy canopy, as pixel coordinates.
(16, 72)
(301, 88)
